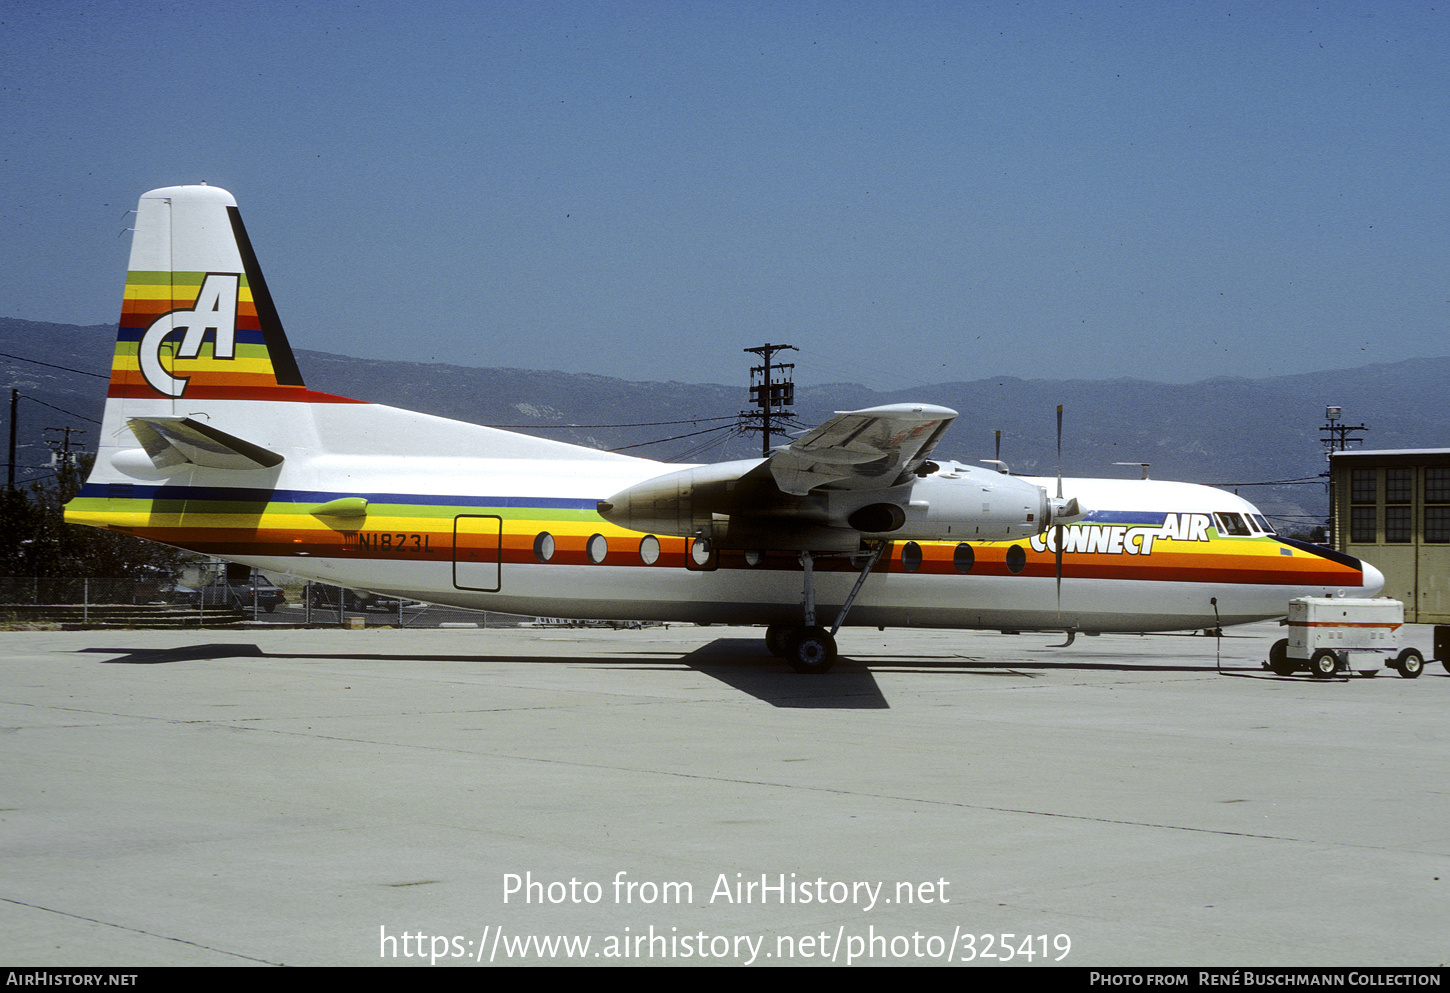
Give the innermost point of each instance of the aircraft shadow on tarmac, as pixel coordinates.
(741, 663)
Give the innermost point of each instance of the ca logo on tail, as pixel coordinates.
(215, 310)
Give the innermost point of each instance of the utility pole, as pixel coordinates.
(1336, 438)
(63, 457)
(770, 387)
(14, 403)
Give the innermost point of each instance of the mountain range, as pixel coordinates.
(1240, 432)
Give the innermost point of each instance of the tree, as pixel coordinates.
(36, 541)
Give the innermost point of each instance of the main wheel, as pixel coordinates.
(1410, 663)
(776, 637)
(1324, 664)
(811, 650)
(1279, 662)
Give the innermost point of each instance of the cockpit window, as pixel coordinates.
(1263, 524)
(1231, 524)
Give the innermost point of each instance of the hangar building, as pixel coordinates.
(1392, 509)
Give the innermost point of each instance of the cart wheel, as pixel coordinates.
(1279, 662)
(1324, 664)
(1410, 663)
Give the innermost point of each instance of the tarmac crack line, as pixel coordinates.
(136, 930)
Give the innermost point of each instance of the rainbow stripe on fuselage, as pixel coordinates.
(411, 544)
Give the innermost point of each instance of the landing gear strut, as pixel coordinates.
(809, 647)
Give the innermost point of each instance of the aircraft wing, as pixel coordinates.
(808, 491)
(861, 449)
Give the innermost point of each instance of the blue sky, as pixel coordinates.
(910, 192)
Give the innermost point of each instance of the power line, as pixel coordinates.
(1303, 481)
(637, 424)
(49, 365)
(658, 441)
(69, 413)
(692, 453)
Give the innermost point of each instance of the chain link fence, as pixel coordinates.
(293, 603)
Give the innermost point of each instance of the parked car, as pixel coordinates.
(241, 595)
(325, 597)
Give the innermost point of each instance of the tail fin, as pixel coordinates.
(193, 274)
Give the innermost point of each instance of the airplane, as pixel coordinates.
(212, 442)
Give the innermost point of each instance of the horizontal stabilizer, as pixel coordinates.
(171, 441)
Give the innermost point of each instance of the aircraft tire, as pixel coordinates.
(810, 650)
(776, 637)
(1324, 664)
(1279, 662)
(1410, 663)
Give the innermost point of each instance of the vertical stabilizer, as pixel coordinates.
(198, 321)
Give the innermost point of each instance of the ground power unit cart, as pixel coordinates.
(1329, 635)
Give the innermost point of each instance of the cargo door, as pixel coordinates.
(478, 552)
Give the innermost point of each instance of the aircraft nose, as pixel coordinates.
(1374, 580)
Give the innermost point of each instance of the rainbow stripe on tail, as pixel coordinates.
(197, 321)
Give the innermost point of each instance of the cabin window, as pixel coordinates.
(700, 551)
(597, 548)
(1016, 559)
(544, 546)
(911, 556)
(649, 549)
(964, 558)
(753, 558)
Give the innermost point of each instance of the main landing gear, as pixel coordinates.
(807, 647)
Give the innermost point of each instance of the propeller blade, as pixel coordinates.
(1059, 450)
(1057, 531)
(1057, 536)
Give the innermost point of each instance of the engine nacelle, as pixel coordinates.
(736, 504)
(965, 503)
(681, 503)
